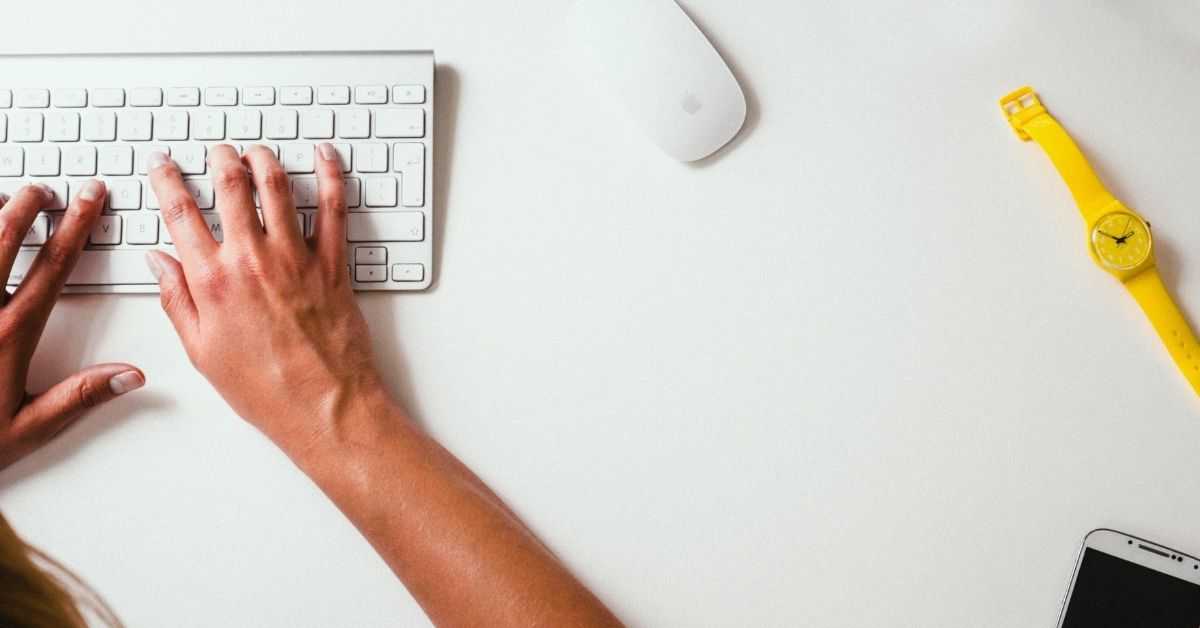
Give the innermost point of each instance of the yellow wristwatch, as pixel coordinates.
(1119, 240)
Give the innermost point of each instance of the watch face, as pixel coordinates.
(1121, 241)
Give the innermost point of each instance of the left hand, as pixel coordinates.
(28, 421)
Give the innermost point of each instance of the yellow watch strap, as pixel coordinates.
(1148, 289)
(1030, 120)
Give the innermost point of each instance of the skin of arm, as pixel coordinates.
(269, 317)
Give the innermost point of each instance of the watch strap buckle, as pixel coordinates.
(1020, 107)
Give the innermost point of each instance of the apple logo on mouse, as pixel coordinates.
(691, 104)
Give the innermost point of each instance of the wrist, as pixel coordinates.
(354, 423)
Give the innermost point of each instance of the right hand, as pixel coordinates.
(268, 316)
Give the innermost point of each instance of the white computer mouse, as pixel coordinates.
(661, 66)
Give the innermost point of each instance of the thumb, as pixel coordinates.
(175, 295)
(45, 415)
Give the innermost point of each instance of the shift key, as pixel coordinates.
(385, 227)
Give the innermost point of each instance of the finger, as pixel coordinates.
(188, 230)
(16, 216)
(235, 198)
(175, 296)
(49, 413)
(329, 234)
(274, 194)
(48, 274)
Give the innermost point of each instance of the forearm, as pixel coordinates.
(461, 552)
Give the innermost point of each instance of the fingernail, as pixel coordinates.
(157, 159)
(91, 191)
(125, 382)
(47, 190)
(327, 152)
(154, 266)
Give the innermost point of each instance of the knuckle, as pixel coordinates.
(275, 180)
(178, 209)
(57, 256)
(229, 176)
(10, 233)
(87, 395)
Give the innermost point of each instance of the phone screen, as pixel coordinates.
(1111, 591)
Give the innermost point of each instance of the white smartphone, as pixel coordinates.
(1121, 580)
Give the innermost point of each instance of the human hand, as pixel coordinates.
(29, 421)
(268, 316)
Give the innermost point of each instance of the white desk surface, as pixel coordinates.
(857, 370)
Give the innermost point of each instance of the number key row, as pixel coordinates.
(260, 96)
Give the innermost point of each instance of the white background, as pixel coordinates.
(855, 370)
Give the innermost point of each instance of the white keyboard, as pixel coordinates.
(67, 118)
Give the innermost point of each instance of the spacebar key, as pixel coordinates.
(95, 268)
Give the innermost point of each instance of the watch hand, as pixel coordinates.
(1105, 234)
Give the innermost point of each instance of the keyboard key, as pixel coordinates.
(354, 123)
(304, 189)
(143, 153)
(345, 155)
(141, 228)
(25, 126)
(12, 161)
(364, 273)
(3, 127)
(62, 126)
(171, 125)
(95, 268)
(214, 226)
(409, 161)
(190, 158)
(297, 158)
(259, 96)
(371, 157)
(408, 272)
(61, 191)
(183, 97)
(370, 94)
(245, 125)
(385, 227)
(100, 126)
(201, 191)
(380, 192)
(42, 161)
(370, 255)
(69, 98)
(5, 98)
(390, 123)
(107, 230)
(209, 125)
(145, 97)
(32, 98)
(124, 194)
(108, 97)
(333, 95)
(38, 231)
(281, 124)
(134, 126)
(296, 95)
(353, 194)
(408, 94)
(116, 160)
(220, 96)
(79, 161)
(316, 124)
